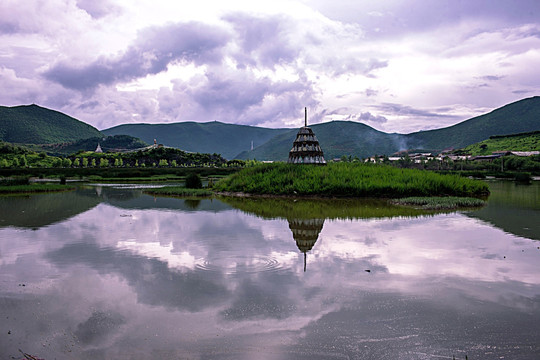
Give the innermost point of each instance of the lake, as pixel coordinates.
(107, 272)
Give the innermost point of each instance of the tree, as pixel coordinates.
(66, 162)
(24, 162)
(85, 162)
(163, 162)
(76, 162)
(93, 163)
(103, 162)
(57, 162)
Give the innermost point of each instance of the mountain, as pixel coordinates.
(36, 125)
(518, 117)
(32, 124)
(355, 139)
(336, 138)
(210, 137)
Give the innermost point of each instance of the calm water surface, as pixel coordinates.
(111, 273)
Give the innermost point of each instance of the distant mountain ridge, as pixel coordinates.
(210, 137)
(337, 138)
(36, 125)
(33, 124)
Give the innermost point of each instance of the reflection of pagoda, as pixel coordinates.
(306, 149)
(305, 233)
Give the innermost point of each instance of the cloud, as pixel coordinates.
(98, 8)
(404, 110)
(263, 41)
(491, 77)
(153, 50)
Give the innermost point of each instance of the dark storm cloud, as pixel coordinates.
(154, 49)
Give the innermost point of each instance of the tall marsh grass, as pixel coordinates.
(348, 180)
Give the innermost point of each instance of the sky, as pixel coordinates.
(397, 66)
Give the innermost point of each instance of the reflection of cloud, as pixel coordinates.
(153, 281)
(99, 326)
(257, 302)
(125, 284)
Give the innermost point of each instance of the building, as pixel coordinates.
(98, 149)
(306, 149)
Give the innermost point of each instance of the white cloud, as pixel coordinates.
(270, 59)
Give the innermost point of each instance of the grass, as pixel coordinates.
(34, 188)
(440, 203)
(178, 191)
(348, 180)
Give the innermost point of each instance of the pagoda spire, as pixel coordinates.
(305, 116)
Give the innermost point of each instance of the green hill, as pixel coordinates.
(210, 137)
(517, 142)
(518, 117)
(32, 124)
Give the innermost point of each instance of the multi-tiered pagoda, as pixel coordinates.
(306, 149)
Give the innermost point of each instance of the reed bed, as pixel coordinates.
(348, 180)
(440, 203)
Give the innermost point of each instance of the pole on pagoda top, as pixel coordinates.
(305, 117)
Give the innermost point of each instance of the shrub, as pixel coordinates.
(193, 181)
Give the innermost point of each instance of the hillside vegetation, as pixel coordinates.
(347, 138)
(517, 142)
(108, 143)
(518, 117)
(210, 137)
(32, 124)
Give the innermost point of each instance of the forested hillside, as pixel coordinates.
(32, 124)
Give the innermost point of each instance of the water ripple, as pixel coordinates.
(238, 264)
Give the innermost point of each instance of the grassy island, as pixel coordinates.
(347, 180)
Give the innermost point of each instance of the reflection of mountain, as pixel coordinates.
(305, 233)
(513, 208)
(44, 209)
